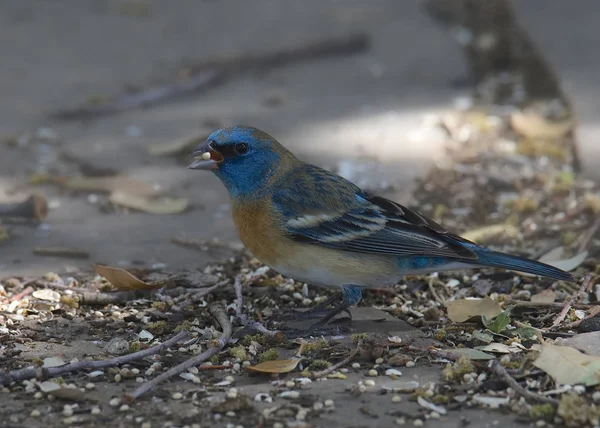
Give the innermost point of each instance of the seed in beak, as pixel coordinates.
(206, 155)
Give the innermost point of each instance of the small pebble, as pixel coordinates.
(124, 408)
(596, 396)
(89, 385)
(418, 423)
(579, 389)
(434, 415)
(328, 403)
(318, 406)
(246, 363)
(229, 378)
(541, 423)
(400, 421)
(278, 425)
(35, 413)
(372, 373)
(146, 425)
(230, 414)
(139, 379)
(396, 399)
(369, 382)
(232, 393)
(96, 411)
(118, 377)
(362, 388)
(114, 402)
(67, 410)
(356, 365)
(412, 364)
(290, 384)
(136, 371)
(379, 361)
(38, 395)
(177, 396)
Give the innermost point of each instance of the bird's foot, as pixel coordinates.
(318, 311)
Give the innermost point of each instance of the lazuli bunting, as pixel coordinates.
(317, 227)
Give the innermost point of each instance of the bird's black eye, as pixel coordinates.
(241, 148)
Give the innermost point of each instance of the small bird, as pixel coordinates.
(317, 227)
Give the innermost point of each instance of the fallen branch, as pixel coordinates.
(41, 373)
(569, 304)
(245, 320)
(329, 370)
(501, 372)
(217, 72)
(194, 298)
(220, 313)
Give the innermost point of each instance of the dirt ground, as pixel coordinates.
(58, 54)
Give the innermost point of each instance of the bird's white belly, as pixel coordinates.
(325, 267)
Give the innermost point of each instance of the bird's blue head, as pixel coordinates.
(244, 158)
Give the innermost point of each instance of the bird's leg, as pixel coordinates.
(351, 295)
(317, 311)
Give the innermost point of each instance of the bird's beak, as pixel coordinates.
(205, 157)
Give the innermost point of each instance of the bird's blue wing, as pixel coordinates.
(324, 209)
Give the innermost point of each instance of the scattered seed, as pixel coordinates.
(35, 413)
(411, 364)
(177, 396)
(372, 373)
(369, 382)
(396, 399)
(114, 402)
(124, 408)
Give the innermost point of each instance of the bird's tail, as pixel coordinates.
(520, 264)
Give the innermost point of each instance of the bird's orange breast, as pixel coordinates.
(257, 226)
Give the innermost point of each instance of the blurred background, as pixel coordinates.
(350, 85)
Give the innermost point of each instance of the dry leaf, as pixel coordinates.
(546, 296)
(486, 233)
(473, 354)
(53, 362)
(173, 148)
(553, 258)
(119, 183)
(123, 280)
(588, 343)
(501, 348)
(162, 205)
(464, 309)
(276, 366)
(46, 294)
(568, 366)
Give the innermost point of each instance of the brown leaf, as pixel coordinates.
(163, 205)
(568, 366)
(276, 366)
(124, 280)
(546, 296)
(465, 309)
(584, 342)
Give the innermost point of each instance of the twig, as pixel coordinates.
(71, 253)
(245, 320)
(33, 208)
(587, 237)
(216, 72)
(200, 295)
(571, 325)
(44, 373)
(562, 315)
(23, 293)
(329, 370)
(435, 294)
(500, 371)
(219, 312)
